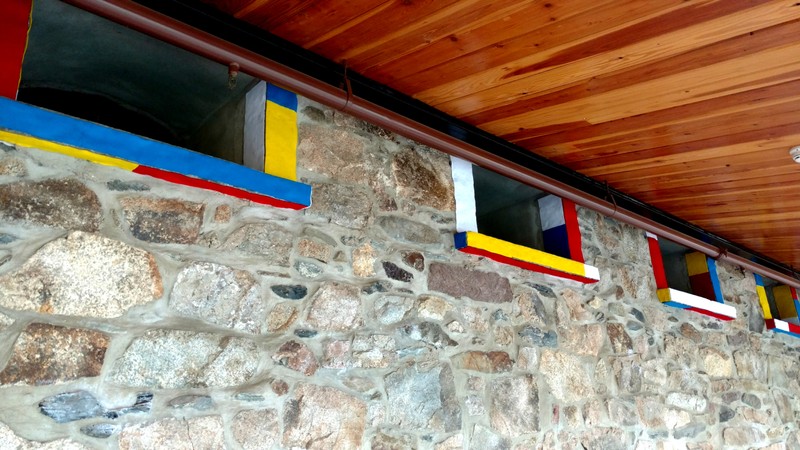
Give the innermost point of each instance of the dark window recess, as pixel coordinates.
(88, 67)
(509, 210)
(676, 268)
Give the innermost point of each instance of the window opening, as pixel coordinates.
(779, 304)
(687, 279)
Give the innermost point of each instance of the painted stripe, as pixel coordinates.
(15, 20)
(280, 142)
(282, 97)
(783, 327)
(254, 123)
(712, 272)
(763, 301)
(464, 190)
(700, 304)
(696, 263)
(528, 257)
(574, 237)
(25, 119)
(27, 141)
(657, 262)
(591, 277)
(551, 212)
(227, 190)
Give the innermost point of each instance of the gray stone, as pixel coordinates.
(77, 405)
(167, 359)
(289, 291)
(422, 176)
(120, 185)
(82, 275)
(256, 429)
(637, 314)
(9, 440)
(101, 430)
(604, 438)
(6, 238)
(539, 337)
(347, 206)
(298, 357)
(220, 295)
(531, 308)
(689, 431)
(488, 362)
(322, 418)
(568, 379)
(378, 286)
(308, 269)
(335, 307)
(267, 240)
(751, 400)
(163, 221)
(514, 405)
(304, 333)
(383, 441)
(372, 352)
(726, 413)
(429, 333)
(402, 229)
(337, 153)
(176, 434)
(392, 309)
(422, 399)
(485, 439)
(14, 167)
(396, 273)
(64, 203)
(457, 281)
(692, 403)
(198, 402)
(47, 354)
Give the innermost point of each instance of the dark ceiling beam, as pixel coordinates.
(207, 32)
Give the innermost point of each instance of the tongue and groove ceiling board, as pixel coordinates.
(689, 105)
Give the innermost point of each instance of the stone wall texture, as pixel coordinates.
(135, 314)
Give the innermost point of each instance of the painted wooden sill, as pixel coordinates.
(525, 257)
(691, 302)
(41, 129)
(783, 326)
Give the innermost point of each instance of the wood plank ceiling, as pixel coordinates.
(689, 105)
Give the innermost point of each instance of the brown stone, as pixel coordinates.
(364, 261)
(81, 275)
(620, 341)
(323, 418)
(339, 154)
(335, 307)
(584, 340)
(281, 317)
(489, 362)
(163, 221)
(336, 355)
(47, 354)
(406, 230)
(396, 273)
(279, 387)
(415, 260)
(266, 240)
(741, 436)
(63, 203)
(255, 430)
(347, 206)
(320, 251)
(716, 363)
(514, 405)
(297, 356)
(457, 281)
(222, 214)
(175, 434)
(424, 178)
(690, 332)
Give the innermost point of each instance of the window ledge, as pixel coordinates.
(783, 326)
(23, 124)
(525, 257)
(684, 300)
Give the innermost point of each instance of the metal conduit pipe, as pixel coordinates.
(168, 29)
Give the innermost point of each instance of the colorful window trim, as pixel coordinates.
(785, 318)
(706, 297)
(563, 256)
(270, 130)
(22, 124)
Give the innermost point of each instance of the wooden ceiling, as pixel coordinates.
(689, 105)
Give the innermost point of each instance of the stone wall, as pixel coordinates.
(137, 314)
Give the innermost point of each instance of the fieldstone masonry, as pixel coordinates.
(135, 314)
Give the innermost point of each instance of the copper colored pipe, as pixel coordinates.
(169, 30)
